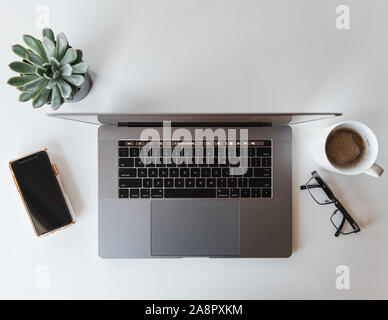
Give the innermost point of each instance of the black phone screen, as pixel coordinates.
(42, 193)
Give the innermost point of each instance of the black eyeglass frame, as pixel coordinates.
(333, 200)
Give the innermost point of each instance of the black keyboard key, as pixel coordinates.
(235, 193)
(245, 193)
(185, 172)
(174, 172)
(139, 163)
(205, 172)
(195, 172)
(142, 173)
(251, 151)
(264, 152)
(145, 193)
(225, 172)
(221, 183)
(267, 162)
(158, 183)
(127, 173)
(256, 193)
(249, 173)
(168, 183)
(159, 163)
(134, 193)
(179, 183)
(255, 162)
(232, 182)
(123, 152)
(147, 183)
(134, 152)
(211, 183)
(268, 143)
(163, 173)
(126, 163)
(262, 172)
(200, 183)
(243, 182)
(152, 173)
(130, 183)
(145, 152)
(150, 162)
(190, 183)
(260, 183)
(216, 173)
(190, 193)
(223, 193)
(157, 193)
(266, 193)
(123, 193)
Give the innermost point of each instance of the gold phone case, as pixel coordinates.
(65, 196)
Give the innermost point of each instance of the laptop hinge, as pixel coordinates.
(196, 124)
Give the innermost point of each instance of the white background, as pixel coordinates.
(201, 56)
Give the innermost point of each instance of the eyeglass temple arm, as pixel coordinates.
(347, 217)
(339, 229)
(311, 186)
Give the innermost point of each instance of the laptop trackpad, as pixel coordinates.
(195, 228)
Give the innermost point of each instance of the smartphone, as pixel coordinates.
(39, 185)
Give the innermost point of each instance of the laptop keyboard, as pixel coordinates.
(209, 178)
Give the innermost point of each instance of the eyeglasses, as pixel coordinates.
(322, 194)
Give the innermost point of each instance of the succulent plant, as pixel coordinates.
(51, 71)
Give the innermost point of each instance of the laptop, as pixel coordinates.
(160, 196)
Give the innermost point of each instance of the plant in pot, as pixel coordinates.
(51, 72)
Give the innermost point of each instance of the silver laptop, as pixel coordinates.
(160, 196)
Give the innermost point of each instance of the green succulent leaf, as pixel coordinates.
(20, 51)
(21, 81)
(20, 88)
(36, 46)
(70, 57)
(35, 60)
(80, 68)
(56, 99)
(48, 33)
(34, 85)
(79, 56)
(49, 47)
(61, 46)
(22, 67)
(66, 70)
(64, 88)
(75, 79)
(41, 98)
(26, 96)
(51, 84)
(41, 73)
(55, 63)
(57, 75)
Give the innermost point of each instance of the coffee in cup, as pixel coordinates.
(345, 148)
(348, 148)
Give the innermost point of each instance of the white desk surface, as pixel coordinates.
(201, 56)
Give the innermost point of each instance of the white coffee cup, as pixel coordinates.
(367, 165)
